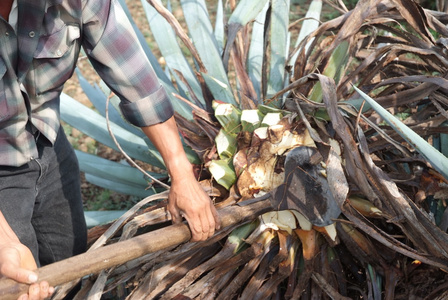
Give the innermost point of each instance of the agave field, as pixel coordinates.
(331, 134)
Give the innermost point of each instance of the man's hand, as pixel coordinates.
(16, 262)
(188, 199)
(186, 196)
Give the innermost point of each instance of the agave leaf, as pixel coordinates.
(119, 187)
(167, 41)
(251, 119)
(271, 118)
(245, 12)
(220, 90)
(219, 27)
(310, 24)
(228, 116)
(95, 126)
(335, 65)
(444, 143)
(223, 172)
(257, 51)
(95, 218)
(437, 159)
(279, 46)
(225, 144)
(238, 236)
(412, 13)
(154, 63)
(111, 170)
(201, 33)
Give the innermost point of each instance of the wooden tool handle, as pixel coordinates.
(116, 254)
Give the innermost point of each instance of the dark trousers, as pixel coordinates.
(42, 202)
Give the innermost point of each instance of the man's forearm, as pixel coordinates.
(186, 197)
(165, 138)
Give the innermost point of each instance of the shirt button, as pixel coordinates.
(59, 52)
(7, 33)
(32, 34)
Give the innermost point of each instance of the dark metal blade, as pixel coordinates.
(305, 189)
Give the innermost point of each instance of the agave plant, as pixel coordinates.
(247, 93)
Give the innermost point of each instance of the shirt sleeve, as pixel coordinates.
(116, 54)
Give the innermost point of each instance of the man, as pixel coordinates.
(41, 216)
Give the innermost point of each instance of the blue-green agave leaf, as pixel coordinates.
(198, 22)
(175, 59)
(101, 217)
(279, 45)
(437, 159)
(310, 24)
(201, 32)
(256, 51)
(95, 126)
(107, 169)
(246, 11)
(119, 186)
(220, 27)
(220, 90)
(444, 143)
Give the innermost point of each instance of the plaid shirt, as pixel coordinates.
(38, 58)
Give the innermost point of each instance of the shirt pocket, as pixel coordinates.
(55, 57)
(3, 102)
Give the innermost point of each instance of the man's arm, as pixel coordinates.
(17, 261)
(107, 34)
(186, 196)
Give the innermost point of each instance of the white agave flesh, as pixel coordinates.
(261, 133)
(267, 220)
(262, 172)
(271, 119)
(259, 177)
(286, 220)
(288, 141)
(303, 221)
(276, 220)
(291, 140)
(223, 108)
(331, 231)
(250, 119)
(275, 133)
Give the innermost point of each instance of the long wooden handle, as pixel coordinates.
(116, 254)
